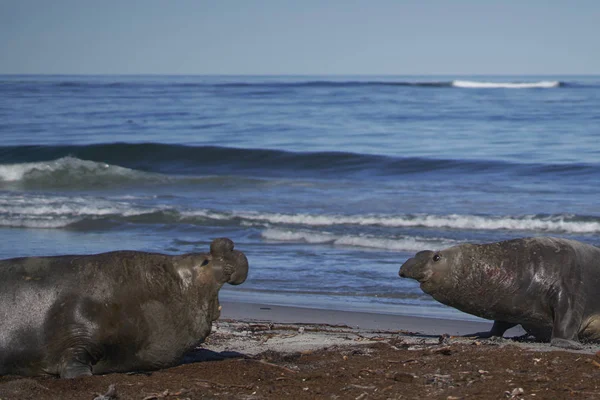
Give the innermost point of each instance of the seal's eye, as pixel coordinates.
(436, 257)
(205, 262)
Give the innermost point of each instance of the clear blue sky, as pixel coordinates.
(300, 36)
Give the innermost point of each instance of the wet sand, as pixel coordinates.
(361, 320)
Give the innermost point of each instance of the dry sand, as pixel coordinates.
(259, 351)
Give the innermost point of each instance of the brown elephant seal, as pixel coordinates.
(121, 311)
(550, 286)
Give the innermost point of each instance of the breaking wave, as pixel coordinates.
(408, 83)
(534, 223)
(507, 85)
(405, 243)
(71, 171)
(108, 164)
(53, 211)
(47, 212)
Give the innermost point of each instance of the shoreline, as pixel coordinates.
(336, 326)
(372, 321)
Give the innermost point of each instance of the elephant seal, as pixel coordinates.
(550, 286)
(121, 311)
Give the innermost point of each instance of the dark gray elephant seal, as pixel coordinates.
(112, 312)
(550, 286)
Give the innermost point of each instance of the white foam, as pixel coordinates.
(297, 236)
(37, 223)
(557, 223)
(527, 223)
(13, 172)
(412, 244)
(17, 172)
(40, 211)
(62, 208)
(506, 85)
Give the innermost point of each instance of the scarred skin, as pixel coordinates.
(550, 286)
(121, 311)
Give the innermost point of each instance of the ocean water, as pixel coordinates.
(328, 184)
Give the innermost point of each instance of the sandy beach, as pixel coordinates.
(353, 319)
(260, 351)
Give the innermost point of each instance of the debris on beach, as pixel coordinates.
(327, 362)
(111, 394)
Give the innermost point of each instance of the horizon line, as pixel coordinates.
(306, 75)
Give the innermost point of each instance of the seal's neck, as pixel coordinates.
(476, 284)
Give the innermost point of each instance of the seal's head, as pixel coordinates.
(203, 274)
(429, 268)
(230, 266)
(226, 265)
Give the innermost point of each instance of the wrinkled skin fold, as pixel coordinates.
(550, 286)
(121, 311)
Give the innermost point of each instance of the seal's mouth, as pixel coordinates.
(422, 281)
(421, 278)
(216, 311)
(426, 277)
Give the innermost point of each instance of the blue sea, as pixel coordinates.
(328, 184)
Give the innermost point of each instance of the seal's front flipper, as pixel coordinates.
(75, 370)
(567, 320)
(497, 330)
(566, 344)
(76, 366)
